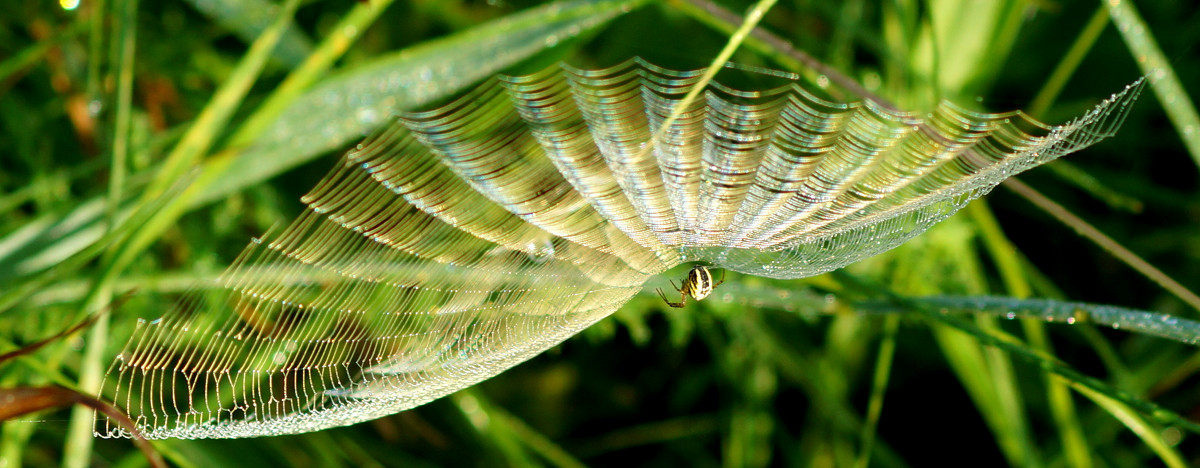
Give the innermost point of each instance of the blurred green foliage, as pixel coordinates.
(764, 373)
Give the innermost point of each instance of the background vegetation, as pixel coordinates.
(110, 109)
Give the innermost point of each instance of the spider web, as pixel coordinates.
(458, 242)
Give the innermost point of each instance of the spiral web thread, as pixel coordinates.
(458, 242)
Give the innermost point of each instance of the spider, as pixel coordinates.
(698, 284)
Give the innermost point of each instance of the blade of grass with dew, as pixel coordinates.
(1130, 320)
(1049, 310)
(1038, 309)
(1017, 425)
(1167, 87)
(987, 375)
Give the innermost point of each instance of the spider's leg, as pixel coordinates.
(681, 303)
(677, 288)
(722, 278)
(668, 301)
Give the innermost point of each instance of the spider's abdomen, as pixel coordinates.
(699, 282)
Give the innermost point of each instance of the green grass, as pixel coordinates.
(201, 130)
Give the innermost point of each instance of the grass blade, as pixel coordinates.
(344, 35)
(1167, 87)
(1016, 349)
(1150, 436)
(883, 369)
(247, 19)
